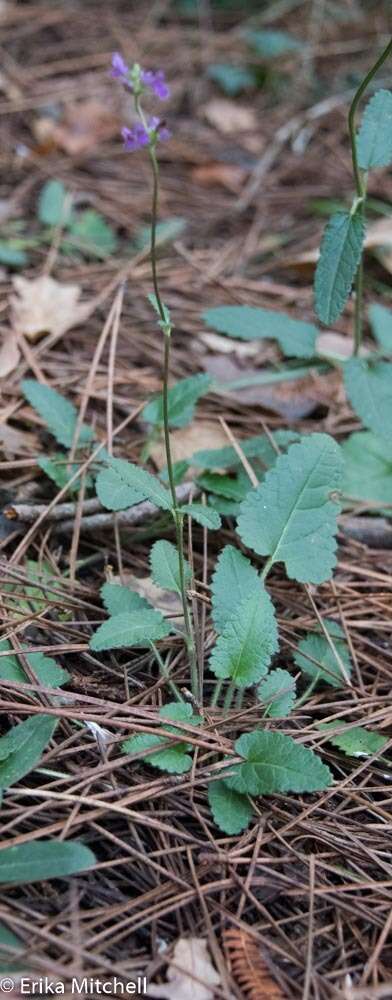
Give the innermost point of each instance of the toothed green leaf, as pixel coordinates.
(225, 486)
(136, 628)
(234, 580)
(22, 747)
(231, 811)
(53, 209)
(274, 762)
(175, 759)
(296, 338)
(255, 447)
(340, 254)
(123, 484)
(250, 638)
(369, 389)
(58, 413)
(47, 670)
(277, 692)
(290, 516)
(165, 567)
(356, 742)
(374, 139)
(120, 600)
(316, 646)
(182, 401)
(206, 516)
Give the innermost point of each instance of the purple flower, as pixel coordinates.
(120, 69)
(137, 136)
(156, 82)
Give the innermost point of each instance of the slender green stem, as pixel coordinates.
(216, 695)
(165, 673)
(229, 696)
(166, 327)
(308, 691)
(360, 186)
(359, 180)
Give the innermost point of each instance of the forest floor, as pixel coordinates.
(248, 180)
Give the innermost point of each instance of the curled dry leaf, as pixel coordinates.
(229, 116)
(379, 240)
(9, 354)
(163, 600)
(85, 125)
(43, 305)
(191, 974)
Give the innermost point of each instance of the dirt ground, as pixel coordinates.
(307, 890)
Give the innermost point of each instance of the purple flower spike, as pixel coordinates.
(156, 82)
(135, 138)
(119, 67)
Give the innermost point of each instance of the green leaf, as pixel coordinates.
(54, 205)
(22, 747)
(120, 600)
(123, 484)
(175, 759)
(39, 860)
(274, 762)
(357, 741)
(231, 811)
(340, 254)
(165, 323)
(234, 580)
(10, 944)
(166, 232)
(271, 43)
(296, 338)
(368, 470)
(206, 516)
(381, 323)
(182, 401)
(139, 628)
(226, 486)
(48, 672)
(228, 508)
(277, 691)
(290, 516)
(250, 638)
(327, 668)
(60, 472)
(369, 389)
(164, 567)
(93, 235)
(58, 413)
(12, 254)
(254, 447)
(231, 79)
(374, 139)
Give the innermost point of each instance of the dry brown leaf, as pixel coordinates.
(292, 400)
(14, 442)
(227, 175)
(191, 974)
(85, 125)
(164, 600)
(9, 354)
(43, 305)
(187, 440)
(225, 345)
(249, 969)
(228, 116)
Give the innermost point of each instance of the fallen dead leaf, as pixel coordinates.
(187, 440)
(227, 175)
(164, 600)
(43, 305)
(226, 345)
(14, 442)
(9, 354)
(85, 125)
(191, 974)
(228, 116)
(292, 399)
